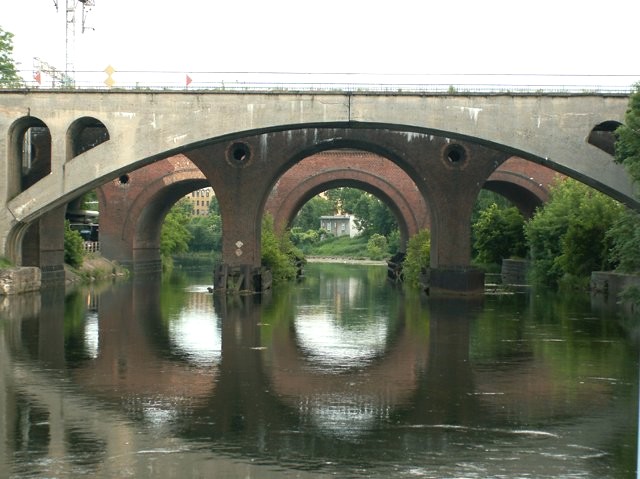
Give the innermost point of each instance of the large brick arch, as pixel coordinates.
(447, 174)
(133, 208)
(358, 169)
(524, 183)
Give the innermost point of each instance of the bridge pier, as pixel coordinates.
(465, 281)
(43, 246)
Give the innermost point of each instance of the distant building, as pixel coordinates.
(200, 200)
(339, 225)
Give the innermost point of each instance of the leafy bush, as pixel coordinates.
(278, 254)
(377, 247)
(628, 140)
(567, 237)
(499, 234)
(624, 237)
(418, 257)
(175, 236)
(73, 246)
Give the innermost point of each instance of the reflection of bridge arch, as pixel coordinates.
(307, 388)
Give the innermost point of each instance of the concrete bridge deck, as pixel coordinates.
(458, 139)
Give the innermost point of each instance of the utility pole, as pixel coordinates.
(70, 32)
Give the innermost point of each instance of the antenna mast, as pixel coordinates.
(71, 7)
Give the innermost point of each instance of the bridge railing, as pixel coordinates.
(330, 82)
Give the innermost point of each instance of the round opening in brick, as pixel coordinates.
(239, 154)
(455, 154)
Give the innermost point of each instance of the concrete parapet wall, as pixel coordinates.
(611, 284)
(19, 280)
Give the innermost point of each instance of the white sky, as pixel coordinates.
(400, 36)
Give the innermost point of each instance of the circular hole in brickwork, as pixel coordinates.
(124, 179)
(240, 152)
(455, 154)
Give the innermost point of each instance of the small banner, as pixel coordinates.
(37, 77)
(188, 80)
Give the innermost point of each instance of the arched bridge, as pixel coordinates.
(132, 211)
(58, 145)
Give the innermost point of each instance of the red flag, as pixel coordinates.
(188, 80)
(37, 78)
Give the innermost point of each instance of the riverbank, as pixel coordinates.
(94, 268)
(343, 260)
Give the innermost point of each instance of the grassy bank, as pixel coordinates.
(94, 268)
(340, 246)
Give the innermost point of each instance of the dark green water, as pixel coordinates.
(340, 375)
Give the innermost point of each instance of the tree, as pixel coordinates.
(498, 234)
(628, 137)
(567, 237)
(175, 235)
(8, 74)
(373, 216)
(344, 199)
(625, 233)
(308, 218)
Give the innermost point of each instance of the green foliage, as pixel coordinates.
(73, 246)
(305, 240)
(8, 74)
(344, 200)
(308, 218)
(373, 216)
(418, 257)
(175, 235)
(377, 247)
(278, 254)
(394, 241)
(89, 201)
(342, 246)
(498, 234)
(485, 199)
(624, 237)
(628, 137)
(625, 233)
(5, 263)
(205, 233)
(567, 237)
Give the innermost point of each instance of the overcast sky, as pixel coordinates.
(577, 37)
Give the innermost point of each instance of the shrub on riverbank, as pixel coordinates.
(418, 257)
(278, 253)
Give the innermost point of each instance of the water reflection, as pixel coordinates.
(339, 375)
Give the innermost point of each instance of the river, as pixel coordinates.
(338, 375)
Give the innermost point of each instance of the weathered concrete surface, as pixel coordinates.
(416, 131)
(19, 280)
(610, 284)
(144, 126)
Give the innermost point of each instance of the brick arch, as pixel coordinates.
(362, 170)
(448, 184)
(524, 183)
(132, 212)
